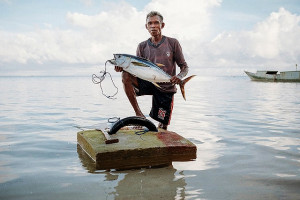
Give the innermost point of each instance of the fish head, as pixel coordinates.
(112, 61)
(121, 60)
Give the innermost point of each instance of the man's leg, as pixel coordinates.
(162, 107)
(129, 82)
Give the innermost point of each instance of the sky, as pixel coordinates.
(218, 37)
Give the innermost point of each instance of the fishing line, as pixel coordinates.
(113, 119)
(98, 80)
(110, 121)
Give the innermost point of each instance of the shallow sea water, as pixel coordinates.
(247, 135)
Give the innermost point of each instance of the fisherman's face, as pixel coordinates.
(154, 25)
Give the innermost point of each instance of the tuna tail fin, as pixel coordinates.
(183, 82)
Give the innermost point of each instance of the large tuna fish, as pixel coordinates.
(145, 69)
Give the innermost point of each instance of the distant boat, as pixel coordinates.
(274, 76)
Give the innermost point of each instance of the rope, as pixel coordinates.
(98, 80)
(113, 119)
(141, 132)
(110, 120)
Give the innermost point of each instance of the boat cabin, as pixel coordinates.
(271, 72)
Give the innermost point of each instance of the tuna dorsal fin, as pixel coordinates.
(139, 64)
(160, 65)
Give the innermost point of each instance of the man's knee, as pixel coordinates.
(128, 79)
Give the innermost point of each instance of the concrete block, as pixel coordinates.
(150, 149)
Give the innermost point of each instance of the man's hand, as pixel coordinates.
(118, 69)
(175, 80)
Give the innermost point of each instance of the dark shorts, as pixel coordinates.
(162, 102)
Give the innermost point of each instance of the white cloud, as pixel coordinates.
(272, 42)
(188, 20)
(92, 39)
(115, 30)
(276, 35)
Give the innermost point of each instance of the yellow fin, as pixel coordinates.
(156, 84)
(139, 64)
(160, 65)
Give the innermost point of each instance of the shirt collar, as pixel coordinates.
(156, 45)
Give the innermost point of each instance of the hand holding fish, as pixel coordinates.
(118, 69)
(175, 80)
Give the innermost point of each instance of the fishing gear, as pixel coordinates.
(98, 80)
(105, 125)
(134, 120)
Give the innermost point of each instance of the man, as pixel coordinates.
(158, 49)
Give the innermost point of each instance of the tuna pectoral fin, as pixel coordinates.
(139, 64)
(183, 82)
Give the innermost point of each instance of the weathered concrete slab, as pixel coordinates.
(134, 151)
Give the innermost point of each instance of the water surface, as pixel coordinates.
(247, 134)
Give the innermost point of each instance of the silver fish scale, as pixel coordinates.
(150, 73)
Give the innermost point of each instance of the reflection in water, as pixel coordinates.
(278, 143)
(154, 183)
(86, 161)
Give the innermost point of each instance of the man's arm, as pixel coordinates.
(180, 61)
(183, 72)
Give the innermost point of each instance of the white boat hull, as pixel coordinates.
(273, 76)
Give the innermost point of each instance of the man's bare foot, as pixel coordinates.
(163, 126)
